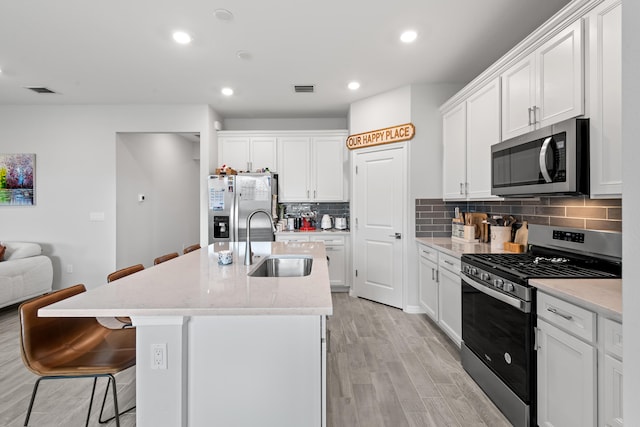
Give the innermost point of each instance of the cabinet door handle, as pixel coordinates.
(529, 110)
(437, 275)
(535, 114)
(314, 194)
(307, 194)
(433, 274)
(461, 189)
(446, 261)
(555, 311)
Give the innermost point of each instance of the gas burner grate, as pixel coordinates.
(530, 266)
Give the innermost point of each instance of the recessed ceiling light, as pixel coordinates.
(182, 37)
(354, 85)
(223, 14)
(227, 91)
(408, 36)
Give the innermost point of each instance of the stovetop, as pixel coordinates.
(545, 265)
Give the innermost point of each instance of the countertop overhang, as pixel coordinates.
(196, 285)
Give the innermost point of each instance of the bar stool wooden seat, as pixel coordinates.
(120, 274)
(191, 248)
(72, 347)
(164, 258)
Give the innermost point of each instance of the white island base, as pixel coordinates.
(231, 371)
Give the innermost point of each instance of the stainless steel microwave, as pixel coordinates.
(553, 160)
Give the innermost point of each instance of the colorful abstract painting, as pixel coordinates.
(17, 173)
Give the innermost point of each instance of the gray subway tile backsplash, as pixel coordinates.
(433, 216)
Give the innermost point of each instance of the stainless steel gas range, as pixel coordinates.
(498, 308)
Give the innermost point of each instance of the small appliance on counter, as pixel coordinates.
(340, 223)
(308, 221)
(325, 224)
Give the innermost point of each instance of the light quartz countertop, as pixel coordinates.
(455, 248)
(196, 285)
(603, 296)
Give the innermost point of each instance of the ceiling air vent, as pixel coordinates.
(304, 88)
(39, 89)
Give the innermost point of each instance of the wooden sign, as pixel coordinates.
(381, 136)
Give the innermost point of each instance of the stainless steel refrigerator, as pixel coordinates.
(233, 197)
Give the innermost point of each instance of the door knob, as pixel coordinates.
(397, 235)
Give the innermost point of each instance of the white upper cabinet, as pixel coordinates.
(293, 168)
(483, 130)
(454, 136)
(605, 104)
(264, 153)
(469, 131)
(328, 168)
(518, 97)
(247, 152)
(545, 87)
(233, 151)
(311, 168)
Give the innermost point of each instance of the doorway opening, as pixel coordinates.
(157, 195)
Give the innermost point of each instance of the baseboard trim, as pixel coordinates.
(413, 309)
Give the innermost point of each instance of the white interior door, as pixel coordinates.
(379, 201)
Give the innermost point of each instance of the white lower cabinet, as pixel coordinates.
(579, 361)
(610, 392)
(337, 257)
(428, 276)
(440, 291)
(338, 254)
(566, 379)
(450, 301)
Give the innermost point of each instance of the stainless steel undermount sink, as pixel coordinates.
(283, 266)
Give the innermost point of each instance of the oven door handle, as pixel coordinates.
(514, 302)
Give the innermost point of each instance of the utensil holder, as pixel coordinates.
(499, 235)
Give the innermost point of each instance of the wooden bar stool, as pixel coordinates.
(164, 258)
(191, 248)
(120, 274)
(73, 347)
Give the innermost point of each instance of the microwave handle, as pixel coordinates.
(543, 160)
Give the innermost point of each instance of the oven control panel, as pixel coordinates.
(568, 236)
(495, 281)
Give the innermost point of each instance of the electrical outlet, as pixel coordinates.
(158, 356)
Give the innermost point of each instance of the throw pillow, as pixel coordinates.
(2, 248)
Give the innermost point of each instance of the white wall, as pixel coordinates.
(424, 166)
(418, 104)
(631, 205)
(326, 123)
(381, 111)
(75, 150)
(162, 168)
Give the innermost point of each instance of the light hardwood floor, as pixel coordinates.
(388, 368)
(385, 368)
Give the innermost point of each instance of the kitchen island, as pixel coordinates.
(218, 347)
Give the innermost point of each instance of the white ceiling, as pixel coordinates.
(121, 51)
